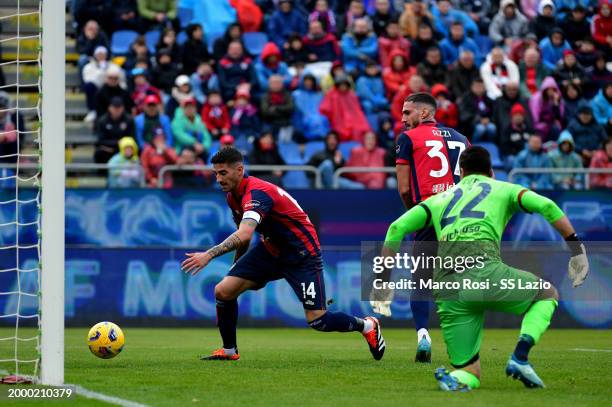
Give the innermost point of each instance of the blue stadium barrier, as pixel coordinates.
(291, 153)
(296, 180)
(151, 39)
(185, 15)
(496, 161)
(311, 148)
(255, 42)
(346, 147)
(121, 41)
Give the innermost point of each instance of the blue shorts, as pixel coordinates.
(305, 276)
(425, 244)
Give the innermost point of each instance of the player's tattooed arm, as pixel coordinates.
(235, 241)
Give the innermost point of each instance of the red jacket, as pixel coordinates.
(602, 26)
(152, 162)
(249, 14)
(393, 79)
(216, 118)
(601, 160)
(360, 157)
(446, 115)
(387, 45)
(344, 114)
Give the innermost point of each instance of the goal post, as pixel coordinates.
(53, 23)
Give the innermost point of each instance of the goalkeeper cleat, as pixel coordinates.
(446, 382)
(375, 340)
(423, 354)
(524, 372)
(220, 354)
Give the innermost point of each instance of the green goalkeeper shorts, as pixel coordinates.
(462, 311)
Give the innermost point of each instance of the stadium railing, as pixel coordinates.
(345, 170)
(249, 168)
(577, 171)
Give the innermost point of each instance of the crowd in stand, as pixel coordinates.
(531, 78)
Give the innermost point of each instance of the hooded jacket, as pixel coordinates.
(560, 159)
(124, 172)
(187, 133)
(344, 113)
(543, 112)
(393, 79)
(451, 49)
(282, 25)
(371, 93)
(361, 157)
(601, 160)
(306, 116)
(215, 117)
(587, 136)
(265, 69)
(602, 26)
(533, 159)
(353, 49)
(602, 108)
(542, 26)
(551, 54)
(446, 114)
(386, 47)
(502, 27)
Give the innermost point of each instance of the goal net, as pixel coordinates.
(31, 260)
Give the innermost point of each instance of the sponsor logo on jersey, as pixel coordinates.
(252, 205)
(440, 133)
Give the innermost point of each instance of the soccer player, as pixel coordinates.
(427, 163)
(289, 248)
(470, 219)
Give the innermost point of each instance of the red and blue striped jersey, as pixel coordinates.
(284, 227)
(433, 152)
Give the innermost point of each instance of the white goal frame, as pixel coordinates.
(53, 23)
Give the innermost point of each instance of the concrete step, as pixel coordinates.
(22, 3)
(28, 48)
(26, 23)
(29, 73)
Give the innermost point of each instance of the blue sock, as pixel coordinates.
(227, 319)
(420, 313)
(337, 322)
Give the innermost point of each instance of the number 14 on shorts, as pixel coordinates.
(308, 291)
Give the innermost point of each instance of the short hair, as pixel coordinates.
(227, 155)
(475, 160)
(423, 98)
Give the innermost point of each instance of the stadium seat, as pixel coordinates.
(151, 38)
(121, 41)
(254, 42)
(185, 15)
(214, 147)
(210, 40)
(311, 148)
(496, 161)
(181, 38)
(484, 43)
(291, 153)
(346, 147)
(296, 180)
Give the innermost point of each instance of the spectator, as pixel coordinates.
(572, 98)
(367, 155)
(115, 124)
(508, 24)
(142, 88)
(446, 112)
(602, 107)
(391, 41)
(445, 14)
(189, 131)
(180, 92)
(139, 51)
(164, 72)
(371, 90)
(271, 63)
(475, 112)
(194, 49)
(277, 108)
(358, 45)
(497, 71)
(221, 44)
(336, 70)
(600, 75)
(432, 70)
(189, 178)
(306, 118)
(587, 54)
(125, 15)
(9, 133)
(156, 156)
(323, 14)
(203, 81)
(151, 119)
(319, 45)
(356, 10)
(503, 105)
(530, 8)
(297, 52)
(383, 15)
(416, 13)
(424, 41)
(341, 107)
(234, 69)
(601, 26)
(545, 21)
(569, 71)
(88, 40)
(547, 109)
(215, 115)
(286, 20)
(602, 159)
(226, 140)
(158, 13)
(514, 137)
(124, 170)
(518, 48)
(478, 10)
(397, 75)
(98, 10)
(265, 152)
(456, 43)
(576, 26)
(94, 77)
(386, 132)
(415, 85)
(462, 74)
(327, 160)
(243, 116)
(113, 86)
(167, 40)
(588, 134)
(249, 14)
(532, 72)
(533, 156)
(564, 157)
(552, 48)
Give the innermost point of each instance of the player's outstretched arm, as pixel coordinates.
(578, 267)
(236, 241)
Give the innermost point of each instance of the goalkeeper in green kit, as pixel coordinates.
(469, 219)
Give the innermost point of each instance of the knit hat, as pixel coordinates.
(517, 108)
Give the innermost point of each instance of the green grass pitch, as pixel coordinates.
(296, 367)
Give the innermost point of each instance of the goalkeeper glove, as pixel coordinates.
(578, 267)
(380, 300)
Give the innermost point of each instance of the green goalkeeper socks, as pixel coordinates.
(466, 378)
(537, 319)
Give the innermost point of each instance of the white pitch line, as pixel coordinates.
(591, 350)
(82, 391)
